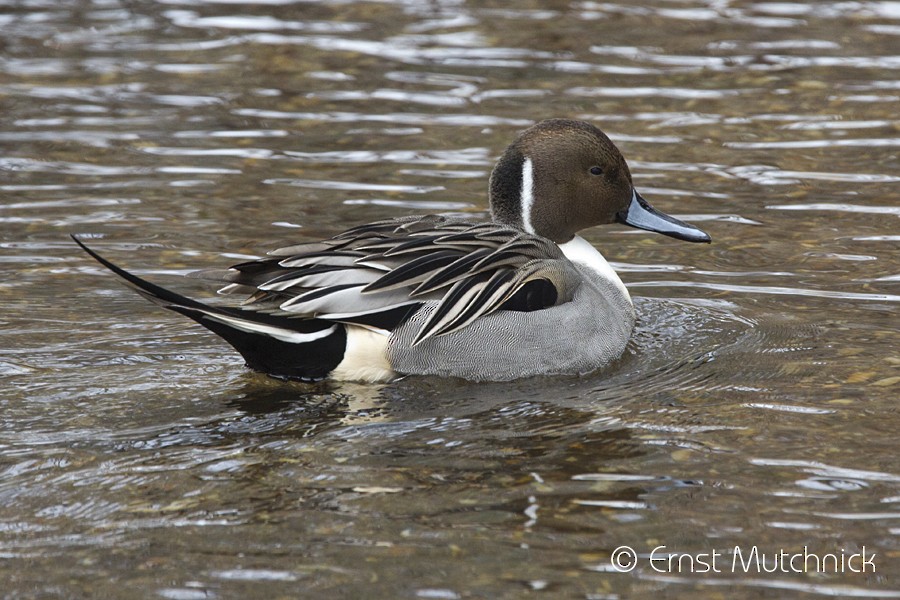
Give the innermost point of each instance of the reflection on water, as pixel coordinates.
(755, 404)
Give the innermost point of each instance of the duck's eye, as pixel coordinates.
(596, 171)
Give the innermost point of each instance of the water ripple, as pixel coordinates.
(464, 156)
(841, 207)
(800, 144)
(430, 205)
(464, 120)
(768, 175)
(825, 470)
(354, 186)
(187, 18)
(772, 290)
(822, 589)
(253, 153)
(654, 92)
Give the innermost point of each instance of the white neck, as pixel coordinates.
(580, 251)
(527, 195)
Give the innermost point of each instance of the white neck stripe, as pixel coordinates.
(527, 195)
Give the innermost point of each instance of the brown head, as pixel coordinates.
(561, 176)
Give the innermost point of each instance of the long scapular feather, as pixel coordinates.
(484, 293)
(447, 275)
(340, 259)
(390, 247)
(325, 302)
(491, 295)
(412, 272)
(456, 300)
(310, 278)
(479, 261)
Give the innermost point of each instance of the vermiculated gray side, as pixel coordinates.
(576, 337)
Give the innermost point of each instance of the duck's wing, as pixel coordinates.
(379, 274)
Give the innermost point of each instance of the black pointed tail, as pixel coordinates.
(284, 347)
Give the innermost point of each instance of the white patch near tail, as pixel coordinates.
(285, 335)
(527, 195)
(365, 358)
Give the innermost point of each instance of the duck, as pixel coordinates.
(521, 295)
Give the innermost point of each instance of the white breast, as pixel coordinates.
(580, 251)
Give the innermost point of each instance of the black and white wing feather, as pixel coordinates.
(378, 275)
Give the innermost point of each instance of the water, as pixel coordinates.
(755, 406)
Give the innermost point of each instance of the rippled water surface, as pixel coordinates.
(755, 406)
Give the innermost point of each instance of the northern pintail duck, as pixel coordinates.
(518, 296)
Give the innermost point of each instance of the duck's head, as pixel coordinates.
(561, 176)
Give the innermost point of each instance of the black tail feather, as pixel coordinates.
(305, 360)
